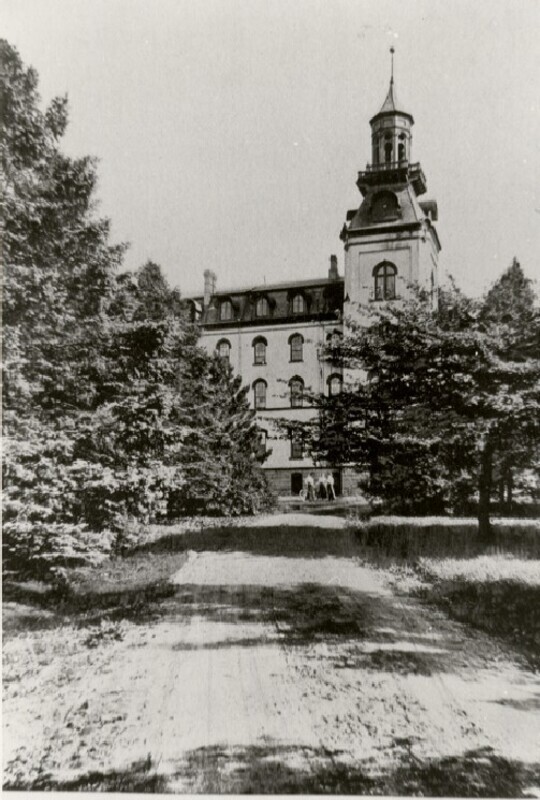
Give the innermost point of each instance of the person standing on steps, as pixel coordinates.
(310, 486)
(330, 487)
(322, 487)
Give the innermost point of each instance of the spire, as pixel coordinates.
(391, 105)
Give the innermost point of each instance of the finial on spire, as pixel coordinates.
(392, 51)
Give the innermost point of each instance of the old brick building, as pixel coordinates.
(273, 334)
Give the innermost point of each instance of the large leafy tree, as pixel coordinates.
(431, 397)
(58, 277)
(98, 367)
(509, 308)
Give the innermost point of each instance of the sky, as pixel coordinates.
(230, 132)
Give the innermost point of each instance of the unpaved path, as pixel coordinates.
(270, 673)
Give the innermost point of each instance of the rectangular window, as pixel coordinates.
(260, 353)
(297, 445)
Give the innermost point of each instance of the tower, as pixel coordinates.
(390, 241)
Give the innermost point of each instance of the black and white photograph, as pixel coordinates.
(270, 397)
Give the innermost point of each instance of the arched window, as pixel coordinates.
(259, 350)
(223, 348)
(296, 386)
(401, 147)
(262, 308)
(384, 205)
(385, 281)
(296, 342)
(335, 383)
(259, 394)
(298, 304)
(388, 149)
(225, 310)
(333, 339)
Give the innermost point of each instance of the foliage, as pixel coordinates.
(220, 453)
(104, 383)
(430, 399)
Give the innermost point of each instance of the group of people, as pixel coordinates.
(324, 489)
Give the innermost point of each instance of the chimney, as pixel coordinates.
(210, 279)
(333, 271)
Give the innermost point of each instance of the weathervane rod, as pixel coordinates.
(392, 51)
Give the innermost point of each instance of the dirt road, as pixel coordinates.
(274, 673)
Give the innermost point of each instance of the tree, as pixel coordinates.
(221, 453)
(99, 368)
(444, 388)
(509, 308)
(58, 276)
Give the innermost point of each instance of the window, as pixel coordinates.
(225, 310)
(261, 307)
(296, 343)
(384, 205)
(297, 445)
(385, 281)
(259, 393)
(261, 450)
(259, 350)
(333, 339)
(224, 348)
(298, 304)
(297, 392)
(401, 147)
(388, 149)
(334, 385)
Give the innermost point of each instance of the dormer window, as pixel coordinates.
(385, 281)
(298, 304)
(262, 308)
(384, 206)
(225, 311)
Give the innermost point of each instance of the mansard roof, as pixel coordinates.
(323, 300)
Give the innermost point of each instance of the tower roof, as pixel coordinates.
(391, 105)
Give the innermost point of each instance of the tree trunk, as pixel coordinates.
(485, 530)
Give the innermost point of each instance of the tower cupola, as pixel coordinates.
(391, 130)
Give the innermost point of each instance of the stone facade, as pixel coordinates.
(273, 335)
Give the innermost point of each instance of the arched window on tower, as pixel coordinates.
(385, 281)
(388, 148)
(402, 152)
